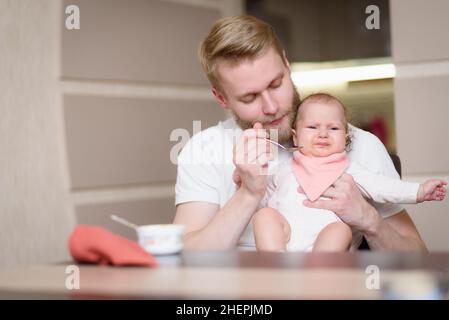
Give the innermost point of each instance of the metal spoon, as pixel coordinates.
(124, 222)
(289, 149)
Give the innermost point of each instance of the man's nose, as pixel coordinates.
(269, 106)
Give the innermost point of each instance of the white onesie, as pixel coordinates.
(306, 223)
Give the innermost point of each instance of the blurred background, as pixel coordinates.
(86, 114)
(330, 49)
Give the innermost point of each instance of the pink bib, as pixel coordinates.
(316, 174)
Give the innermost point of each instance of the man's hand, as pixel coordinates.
(251, 155)
(432, 190)
(346, 201)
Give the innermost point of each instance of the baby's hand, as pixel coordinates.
(431, 190)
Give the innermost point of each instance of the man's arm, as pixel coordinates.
(208, 227)
(397, 232)
(394, 233)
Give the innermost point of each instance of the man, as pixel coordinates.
(250, 77)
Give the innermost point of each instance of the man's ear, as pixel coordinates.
(284, 56)
(295, 141)
(220, 98)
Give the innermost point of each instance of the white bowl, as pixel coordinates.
(161, 238)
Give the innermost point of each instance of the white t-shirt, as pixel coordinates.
(205, 167)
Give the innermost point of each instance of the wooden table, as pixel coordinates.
(235, 275)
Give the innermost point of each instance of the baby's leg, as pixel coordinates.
(336, 236)
(271, 230)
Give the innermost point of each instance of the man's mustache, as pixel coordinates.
(266, 121)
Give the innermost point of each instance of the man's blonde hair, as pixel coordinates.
(236, 38)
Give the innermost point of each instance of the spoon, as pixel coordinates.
(124, 222)
(289, 149)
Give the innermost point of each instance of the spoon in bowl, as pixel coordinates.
(124, 222)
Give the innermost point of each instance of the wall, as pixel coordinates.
(421, 55)
(324, 30)
(86, 115)
(35, 213)
(130, 75)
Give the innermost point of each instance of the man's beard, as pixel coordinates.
(284, 135)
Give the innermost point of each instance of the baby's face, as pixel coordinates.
(321, 129)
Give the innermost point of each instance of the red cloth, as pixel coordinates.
(89, 244)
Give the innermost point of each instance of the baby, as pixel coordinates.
(321, 131)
